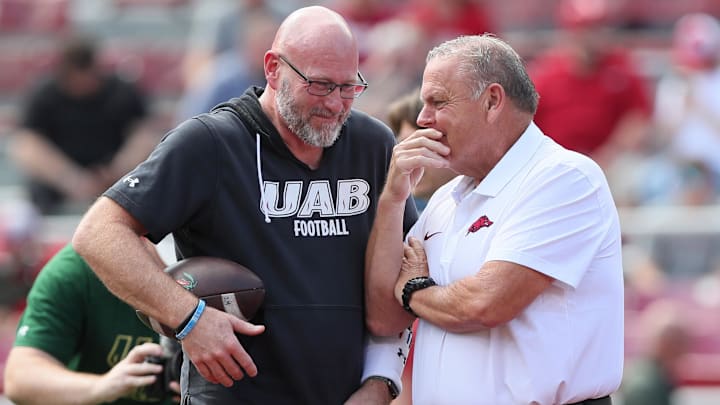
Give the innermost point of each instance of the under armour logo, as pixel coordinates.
(401, 355)
(131, 181)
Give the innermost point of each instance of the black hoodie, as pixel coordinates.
(201, 184)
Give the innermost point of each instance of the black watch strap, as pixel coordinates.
(412, 285)
(392, 388)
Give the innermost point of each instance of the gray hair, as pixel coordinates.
(487, 59)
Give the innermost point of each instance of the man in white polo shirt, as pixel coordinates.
(514, 268)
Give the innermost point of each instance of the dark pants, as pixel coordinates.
(597, 401)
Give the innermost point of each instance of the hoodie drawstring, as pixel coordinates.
(260, 180)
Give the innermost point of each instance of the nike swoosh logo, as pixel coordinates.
(428, 236)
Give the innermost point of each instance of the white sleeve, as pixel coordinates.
(386, 356)
(558, 238)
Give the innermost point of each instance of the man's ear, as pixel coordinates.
(271, 65)
(494, 102)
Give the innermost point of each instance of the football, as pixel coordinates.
(223, 284)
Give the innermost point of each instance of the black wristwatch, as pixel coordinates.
(392, 388)
(412, 285)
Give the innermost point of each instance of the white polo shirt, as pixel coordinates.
(549, 209)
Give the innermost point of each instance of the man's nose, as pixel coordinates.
(426, 118)
(334, 102)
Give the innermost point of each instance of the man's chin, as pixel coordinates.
(320, 141)
(327, 136)
(329, 141)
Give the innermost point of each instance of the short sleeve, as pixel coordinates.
(557, 225)
(173, 184)
(54, 316)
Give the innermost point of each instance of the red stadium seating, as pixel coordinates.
(33, 15)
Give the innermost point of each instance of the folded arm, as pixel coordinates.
(496, 294)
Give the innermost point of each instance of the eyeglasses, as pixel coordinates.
(323, 88)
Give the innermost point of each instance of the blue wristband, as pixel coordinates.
(193, 320)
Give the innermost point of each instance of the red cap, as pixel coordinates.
(696, 41)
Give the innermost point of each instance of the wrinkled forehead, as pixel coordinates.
(441, 76)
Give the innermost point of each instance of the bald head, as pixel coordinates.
(313, 32)
(312, 45)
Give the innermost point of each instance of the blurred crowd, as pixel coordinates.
(633, 84)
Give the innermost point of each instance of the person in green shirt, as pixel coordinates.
(76, 343)
(652, 378)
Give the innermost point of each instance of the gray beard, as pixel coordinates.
(323, 137)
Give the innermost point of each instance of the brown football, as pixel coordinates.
(223, 284)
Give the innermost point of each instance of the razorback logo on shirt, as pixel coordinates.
(352, 198)
(482, 222)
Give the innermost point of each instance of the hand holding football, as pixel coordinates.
(223, 284)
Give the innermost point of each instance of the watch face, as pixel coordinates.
(417, 281)
(421, 282)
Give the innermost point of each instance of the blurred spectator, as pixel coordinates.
(81, 129)
(235, 69)
(683, 182)
(363, 16)
(23, 252)
(217, 27)
(651, 379)
(213, 30)
(645, 280)
(445, 19)
(20, 251)
(687, 109)
(75, 335)
(684, 256)
(394, 65)
(662, 179)
(19, 257)
(402, 118)
(685, 169)
(687, 255)
(592, 97)
(396, 47)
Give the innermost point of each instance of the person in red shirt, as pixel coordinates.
(449, 18)
(593, 99)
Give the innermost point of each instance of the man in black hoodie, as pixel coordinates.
(284, 180)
